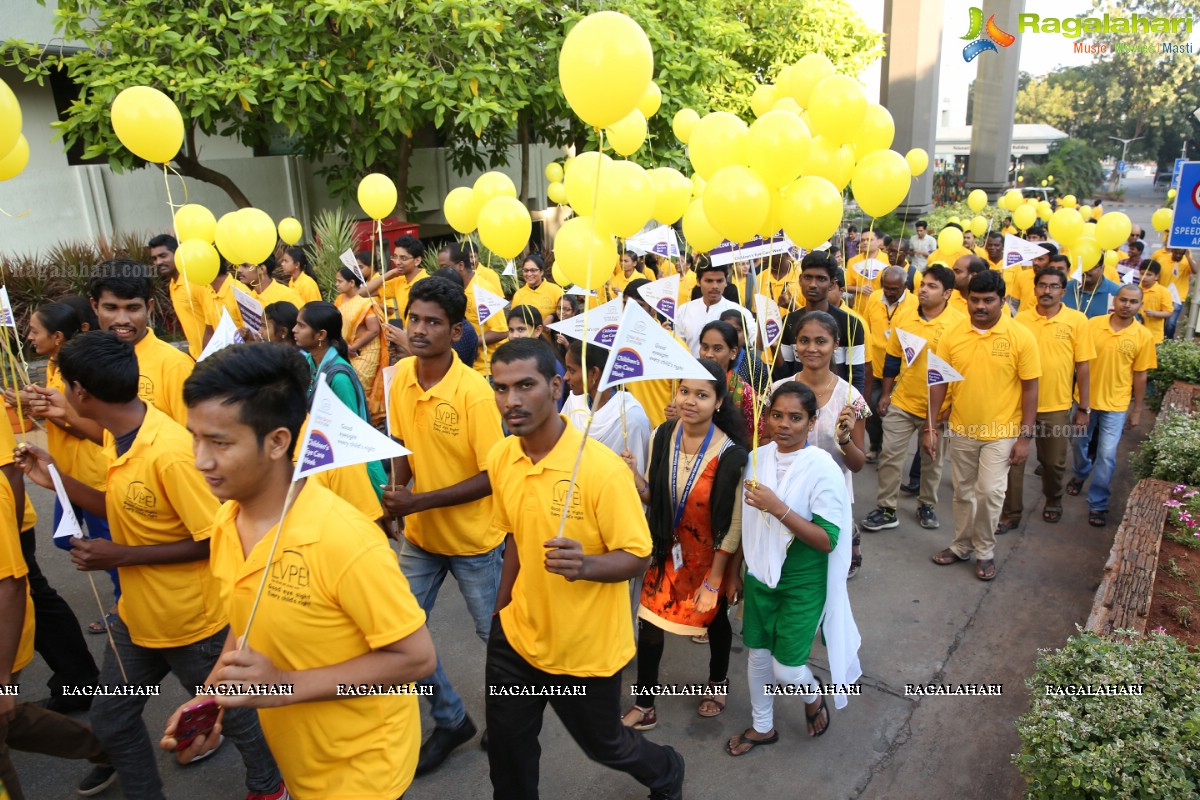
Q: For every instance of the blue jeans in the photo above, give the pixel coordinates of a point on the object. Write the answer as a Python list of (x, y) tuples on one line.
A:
[(97, 528), (478, 579), (1172, 321), (1110, 425)]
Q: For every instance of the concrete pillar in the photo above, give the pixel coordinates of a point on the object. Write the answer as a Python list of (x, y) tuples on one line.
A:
[(908, 85), (995, 104)]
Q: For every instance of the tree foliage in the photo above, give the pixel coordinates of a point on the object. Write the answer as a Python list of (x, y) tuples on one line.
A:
[(1075, 165)]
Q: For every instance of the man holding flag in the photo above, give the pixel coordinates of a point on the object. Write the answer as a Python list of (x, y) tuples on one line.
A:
[(880, 312), (993, 411), (492, 329)]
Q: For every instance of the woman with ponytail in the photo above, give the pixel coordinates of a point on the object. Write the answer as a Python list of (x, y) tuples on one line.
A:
[(301, 278)]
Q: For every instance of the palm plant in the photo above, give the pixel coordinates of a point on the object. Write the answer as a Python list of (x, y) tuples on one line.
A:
[(333, 234)]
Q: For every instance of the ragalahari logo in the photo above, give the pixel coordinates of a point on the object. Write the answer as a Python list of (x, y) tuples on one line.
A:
[(993, 36)]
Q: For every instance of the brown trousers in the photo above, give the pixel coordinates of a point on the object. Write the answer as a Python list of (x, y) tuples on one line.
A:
[(1052, 442), (33, 729)]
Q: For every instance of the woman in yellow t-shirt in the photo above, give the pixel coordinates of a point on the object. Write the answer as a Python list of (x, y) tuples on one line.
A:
[(537, 291), (301, 278), (360, 329)]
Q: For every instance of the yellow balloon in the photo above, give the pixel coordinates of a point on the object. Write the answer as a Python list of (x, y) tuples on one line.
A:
[(763, 98), (876, 131), (557, 193), (1044, 210), (778, 147), (1024, 217), (504, 226), (837, 107), (554, 172), (918, 161), (774, 221), (737, 203), (1085, 253), (625, 199), (227, 238), (697, 186), (1012, 199), (1161, 219), (1089, 231), (1111, 257), (672, 193), (559, 276), (811, 211), (290, 230), (461, 211), (955, 220), (15, 160), (977, 200), (493, 184), (1097, 213), (1113, 229), (198, 261), (627, 135), (950, 240), (805, 75), (1069, 201), (719, 140), (1020, 179), (979, 226), (683, 122), (377, 195), (1171, 194), (585, 254), (147, 123), (1085, 211), (881, 180), (831, 161), (10, 119), (651, 100), (257, 234), (581, 180), (1049, 177), (698, 231), (604, 67), (1044, 183), (194, 221), (1066, 225), (787, 104)]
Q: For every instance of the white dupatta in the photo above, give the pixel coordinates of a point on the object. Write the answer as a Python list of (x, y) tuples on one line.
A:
[(813, 484)]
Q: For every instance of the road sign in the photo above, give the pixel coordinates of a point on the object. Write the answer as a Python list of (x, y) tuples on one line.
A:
[(1185, 224), (1121, 167), (1179, 162)]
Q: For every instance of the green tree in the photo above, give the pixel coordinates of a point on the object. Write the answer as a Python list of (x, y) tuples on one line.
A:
[(1075, 165)]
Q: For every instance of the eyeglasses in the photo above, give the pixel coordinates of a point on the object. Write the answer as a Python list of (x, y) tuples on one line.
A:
[(530, 271)]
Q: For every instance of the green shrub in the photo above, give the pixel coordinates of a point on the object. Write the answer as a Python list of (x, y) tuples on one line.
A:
[(1172, 450), (1093, 747), (1178, 360)]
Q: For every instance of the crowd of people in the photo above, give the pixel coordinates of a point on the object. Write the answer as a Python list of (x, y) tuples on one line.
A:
[(581, 525)]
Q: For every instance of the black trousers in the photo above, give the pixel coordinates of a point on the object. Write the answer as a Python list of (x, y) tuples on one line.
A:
[(652, 643), (57, 636), (592, 717)]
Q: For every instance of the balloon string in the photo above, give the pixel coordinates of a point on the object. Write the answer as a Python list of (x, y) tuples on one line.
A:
[(181, 269)]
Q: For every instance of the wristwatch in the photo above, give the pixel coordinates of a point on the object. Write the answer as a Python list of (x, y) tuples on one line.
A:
[(1084, 410)]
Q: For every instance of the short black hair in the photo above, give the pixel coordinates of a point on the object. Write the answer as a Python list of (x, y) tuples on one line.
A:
[(942, 274), (995, 235), (597, 356), (449, 274), (1059, 258), (990, 280), (442, 292), (1139, 244), (123, 278), (527, 314), (819, 259), (839, 278), (977, 266), (708, 266), (411, 245), (103, 365), (954, 225), (1053, 272), (460, 254), (1049, 246), (1153, 267), (536, 350), (163, 240), (920, 224), (1037, 230), (268, 382), (83, 310)]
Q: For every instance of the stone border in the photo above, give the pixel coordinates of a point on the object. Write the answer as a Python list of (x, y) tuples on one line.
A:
[(1182, 396)]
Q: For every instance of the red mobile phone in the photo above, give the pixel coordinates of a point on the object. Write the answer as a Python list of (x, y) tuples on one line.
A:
[(196, 719)]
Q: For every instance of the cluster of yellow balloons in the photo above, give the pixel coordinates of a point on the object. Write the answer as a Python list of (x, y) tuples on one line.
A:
[(246, 236), (148, 123), (14, 148), (1086, 241), (492, 207)]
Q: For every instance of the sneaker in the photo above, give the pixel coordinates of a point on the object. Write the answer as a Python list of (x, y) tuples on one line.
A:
[(926, 517), (99, 779), (675, 790), (441, 742), (880, 519), (280, 793)]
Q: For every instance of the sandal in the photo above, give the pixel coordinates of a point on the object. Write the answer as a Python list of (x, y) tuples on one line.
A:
[(1052, 513), (715, 698), (700, 638), (1003, 527), (855, 558), (812, 719), (1074, 487), (985, 570), (738, 739), (947, 557), (647, 718), (1098, 518), (97, 627)]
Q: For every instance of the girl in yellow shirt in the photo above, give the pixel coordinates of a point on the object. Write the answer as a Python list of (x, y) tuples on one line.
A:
[(301, 278)]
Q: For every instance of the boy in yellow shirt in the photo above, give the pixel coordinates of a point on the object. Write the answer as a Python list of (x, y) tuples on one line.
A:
[(190, 300), (564, 629), (1157, 305), (494, 330)]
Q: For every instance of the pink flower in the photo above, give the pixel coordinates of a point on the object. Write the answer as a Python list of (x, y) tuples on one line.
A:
[(1173, 504)]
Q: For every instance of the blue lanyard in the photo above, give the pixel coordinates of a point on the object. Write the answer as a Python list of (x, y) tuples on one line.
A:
[(687, 487)]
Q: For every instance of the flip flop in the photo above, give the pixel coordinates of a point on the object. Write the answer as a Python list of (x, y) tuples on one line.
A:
[(1098, 519), (948, 557), (812, 718), (1074, 487), (1052, 514), (986, 570), (739, 739)]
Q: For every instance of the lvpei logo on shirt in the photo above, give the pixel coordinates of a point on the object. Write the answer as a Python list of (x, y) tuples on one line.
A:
[(140, 500), (445, 419), (558, 496), (992, 39), (1127, 348), (1001, 348)]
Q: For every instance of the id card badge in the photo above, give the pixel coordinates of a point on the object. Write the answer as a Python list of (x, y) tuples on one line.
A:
[(677, 556)]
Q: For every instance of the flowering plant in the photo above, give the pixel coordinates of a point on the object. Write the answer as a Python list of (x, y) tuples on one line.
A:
[(1183, 509)]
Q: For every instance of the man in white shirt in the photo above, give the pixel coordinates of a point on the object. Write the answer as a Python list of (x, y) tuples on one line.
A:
[(692, 316), (920, 246)]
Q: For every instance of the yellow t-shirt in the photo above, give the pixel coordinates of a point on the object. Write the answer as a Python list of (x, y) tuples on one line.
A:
[(544, 298), (1063, 341), (306, 287), (395, 292), (855, 278), (353, 485), (155, 495), (8, 443), (617, 283), (450, 429), (277, 293), (654, 396), (986, 405), (947, 257), (1021, 286), (162, 369), (773, 287), (335, 593), (1156, 298), (490, 280), (584, 628), (880, 324), (81, 458), (1176, 272), (225, 299), (12, 565), (996, 265), (191, 302), (1118, 356), (686, 284), (910, 392)]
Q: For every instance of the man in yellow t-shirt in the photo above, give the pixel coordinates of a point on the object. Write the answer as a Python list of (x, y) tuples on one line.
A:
[(993, 250), (871, 258), (880, 314), (171, 616), (494, 329), (1066, 350), (190, 300), (264, 288), (393, 286), (338, 638), (1124, 353), (1019, 280), (221, 297), (565, 624), (993, 410), (1157, 305), (781, 282), (948, 257), (443, 412), (1177, 269)]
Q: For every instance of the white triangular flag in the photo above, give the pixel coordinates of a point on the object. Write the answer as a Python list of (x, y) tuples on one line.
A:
[(350, 262), (1132, 277), (251, 310), (940, 371), (770, 321), (911, 345), (579, 291), (337, 437), (662, 295), (870, 268), (1019, 251), (1174, 292), (643, 351), (1077, 275), (660, 241), (487, 303), (389, 375), (225, 335), (601, 324), (68, 525), (7, 317), (510, 269)]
